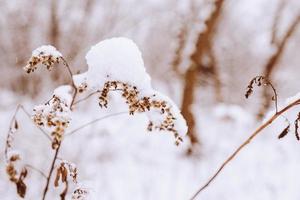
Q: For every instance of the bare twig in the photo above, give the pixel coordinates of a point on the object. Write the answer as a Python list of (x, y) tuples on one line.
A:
[(29, 116), (50, 172), (94, 121), (72, 81), (245, 143), (85, 98)]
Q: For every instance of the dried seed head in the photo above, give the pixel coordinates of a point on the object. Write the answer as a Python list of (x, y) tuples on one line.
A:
[(80, 193), (144, 104), (261, 81), (46, 55), (16, 176), (53, 115)]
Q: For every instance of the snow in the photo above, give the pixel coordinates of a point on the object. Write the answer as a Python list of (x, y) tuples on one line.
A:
[(292, 99), (80, 79), (119, 59), (116, 59), (64, 93), (46, 50), (157, 117)]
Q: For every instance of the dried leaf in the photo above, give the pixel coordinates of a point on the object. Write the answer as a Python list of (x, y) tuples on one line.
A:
[(284, 132), (21, 188), (16, 124)]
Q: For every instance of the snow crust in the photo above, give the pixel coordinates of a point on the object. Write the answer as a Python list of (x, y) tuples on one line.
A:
[(116, 59), (64, 93), (47, 50), (119, 59)]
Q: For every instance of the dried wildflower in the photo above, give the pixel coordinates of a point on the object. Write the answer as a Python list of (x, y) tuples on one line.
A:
[(14, 176), (297, 127), (47, 55), (259, 81), (66, 169), (80, 81), (137, 105), (53, 115), (80, 193)]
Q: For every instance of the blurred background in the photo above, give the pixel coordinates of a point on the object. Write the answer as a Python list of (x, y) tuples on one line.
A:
[(202, 54)]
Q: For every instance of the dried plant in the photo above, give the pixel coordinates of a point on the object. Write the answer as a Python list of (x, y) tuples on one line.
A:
[(53, 117), (258, 80), (46, 55), (297, 126), (261, 81), (144, 104)]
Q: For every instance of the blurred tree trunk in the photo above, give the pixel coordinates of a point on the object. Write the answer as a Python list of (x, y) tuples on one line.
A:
[(203, 48), (54, 33), (272, 63)]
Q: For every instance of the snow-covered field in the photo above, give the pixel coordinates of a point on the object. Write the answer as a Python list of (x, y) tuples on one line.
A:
[(118, 159)]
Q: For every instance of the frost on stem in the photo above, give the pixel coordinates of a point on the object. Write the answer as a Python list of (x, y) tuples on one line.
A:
[(55, 114), (47, 55)]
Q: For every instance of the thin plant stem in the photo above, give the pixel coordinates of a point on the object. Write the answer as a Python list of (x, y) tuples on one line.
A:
[(72, 81), (59, 145), (243, 145), (51, 171), (37, 170), (94, 121)]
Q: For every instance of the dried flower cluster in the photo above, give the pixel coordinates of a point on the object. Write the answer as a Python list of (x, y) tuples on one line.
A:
[(67, 169), (13, 174), (47, 55), (144, 104), (261, 81), (286, 130), (80, 193), (53, 115), (64, 170)]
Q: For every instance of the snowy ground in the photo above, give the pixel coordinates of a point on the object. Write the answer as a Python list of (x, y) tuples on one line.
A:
[(118, 159)]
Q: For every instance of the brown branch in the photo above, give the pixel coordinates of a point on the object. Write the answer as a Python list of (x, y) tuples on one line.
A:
[(244, 144), (280, 7), (273, 61), (191, 75)]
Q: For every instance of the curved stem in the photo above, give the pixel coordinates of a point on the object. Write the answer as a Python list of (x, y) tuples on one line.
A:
[(245, 143), (51, 171), (94, 121), (72, 81), (85, 98), (37, 170)]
